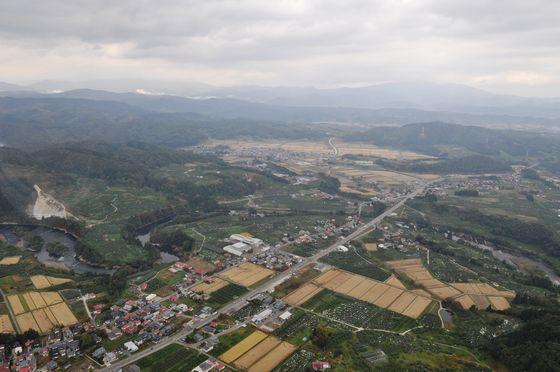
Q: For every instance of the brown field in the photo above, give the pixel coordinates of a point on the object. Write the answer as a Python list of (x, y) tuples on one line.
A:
[(242, 347), (385, 295), (498, 303), (374, 293), (323, 148), (43, 321), (51, 298), (6, 324), (465, 301), (208, 288), (63, 314), (27, 322), (402, 302), (361, 289), (350, 284), (246, 274), (12, 260), (37, 299), (16, 305), (29, 300), (50, 315), (43, 281), (273, 358), (372, 247), (417, 307), (394, 281), (256, 353), (388, 297), (302, 294)]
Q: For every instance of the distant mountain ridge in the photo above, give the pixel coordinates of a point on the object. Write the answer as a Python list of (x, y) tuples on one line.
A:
[(231, 108)]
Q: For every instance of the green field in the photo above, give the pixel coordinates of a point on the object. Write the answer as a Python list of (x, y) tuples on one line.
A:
[(226, 294), (171, 358)]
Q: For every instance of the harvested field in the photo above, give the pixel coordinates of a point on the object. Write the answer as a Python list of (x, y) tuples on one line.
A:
[(417, 307), (29, 300), (464, 301), (208, 288), (402, 302), (361, 289), (6, 324), (350, 284), (43, 281), (388, 297), (273, 358), (37, 299), (242, 347), (63, 314), (374, 293), (43, 321), (444, 292), (256, 353), (50, 315), (498, 303), (481, 302), (246, 274), (12, 260), (51, 298), (302, 294), (27, 322), (16, 305), (385, 295), (394, 281), (371, 247), (40, 281)]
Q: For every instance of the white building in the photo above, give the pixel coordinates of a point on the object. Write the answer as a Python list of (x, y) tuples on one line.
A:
[(247, 240), (261, 316), (238, 248), (131, 346), (342, 248)]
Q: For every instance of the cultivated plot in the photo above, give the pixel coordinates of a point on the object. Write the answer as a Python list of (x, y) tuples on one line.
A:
[(40, 311), (258, 352), (44, 281), (210, 287), (246, 274)]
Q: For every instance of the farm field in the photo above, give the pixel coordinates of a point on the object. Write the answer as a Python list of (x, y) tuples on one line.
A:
[(246, 274), (323, 148), (258, 352), (6, 324), (171, 358), (211, 287), (466, 295), (393, 298), (44, 281), (225, 294), (302, 294), (12, 260), (40, 311)]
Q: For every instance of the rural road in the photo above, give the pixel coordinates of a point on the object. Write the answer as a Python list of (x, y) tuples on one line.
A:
[(333, 146), (268, 286)]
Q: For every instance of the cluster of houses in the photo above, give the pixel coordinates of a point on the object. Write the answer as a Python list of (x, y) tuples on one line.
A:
[(145, 318), (275, 259), (61, 345)]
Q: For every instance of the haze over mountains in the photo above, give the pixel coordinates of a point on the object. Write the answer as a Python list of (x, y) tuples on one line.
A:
[(390, 103)]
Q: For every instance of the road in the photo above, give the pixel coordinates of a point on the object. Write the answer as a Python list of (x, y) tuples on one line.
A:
[(333, 146), (268, 286)]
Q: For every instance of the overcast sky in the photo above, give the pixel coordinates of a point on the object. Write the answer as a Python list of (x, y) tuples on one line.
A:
[(506, 46)]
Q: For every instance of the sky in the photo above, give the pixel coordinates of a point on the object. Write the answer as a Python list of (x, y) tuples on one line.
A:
[(504, 46)]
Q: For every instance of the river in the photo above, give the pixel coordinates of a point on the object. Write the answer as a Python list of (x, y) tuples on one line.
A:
[(66, 262), (521, 263)]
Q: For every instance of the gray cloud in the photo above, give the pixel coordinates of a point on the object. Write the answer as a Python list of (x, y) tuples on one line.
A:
[(508, 46)]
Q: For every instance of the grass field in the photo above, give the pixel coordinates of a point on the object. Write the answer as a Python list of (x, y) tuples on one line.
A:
[(225, 294), (171, 358)]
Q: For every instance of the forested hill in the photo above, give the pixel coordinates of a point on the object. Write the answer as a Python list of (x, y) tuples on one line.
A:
[(434, 137), (41, 121)]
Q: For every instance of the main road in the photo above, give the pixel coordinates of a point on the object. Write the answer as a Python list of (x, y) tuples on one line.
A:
[(268, 286)]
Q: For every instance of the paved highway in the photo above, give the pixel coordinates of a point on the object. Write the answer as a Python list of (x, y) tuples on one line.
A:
[(268, 286)]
